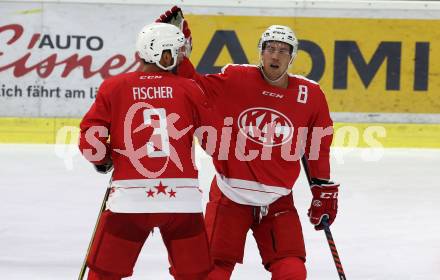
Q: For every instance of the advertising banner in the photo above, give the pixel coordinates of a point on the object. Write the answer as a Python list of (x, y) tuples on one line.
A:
[(364, 65), (54, 56)]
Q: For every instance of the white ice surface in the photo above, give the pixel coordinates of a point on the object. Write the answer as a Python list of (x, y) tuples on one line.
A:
[(388, 226)]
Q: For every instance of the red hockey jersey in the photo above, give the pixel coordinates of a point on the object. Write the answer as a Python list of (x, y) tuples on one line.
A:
[(260, 128), (151, 119)]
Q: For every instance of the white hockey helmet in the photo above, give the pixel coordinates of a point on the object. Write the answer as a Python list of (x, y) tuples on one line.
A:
[(156, 37), (280, 33)]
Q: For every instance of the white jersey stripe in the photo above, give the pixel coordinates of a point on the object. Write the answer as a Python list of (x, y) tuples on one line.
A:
[(303, 78), (172, 182), (167, 195), (249, 192)]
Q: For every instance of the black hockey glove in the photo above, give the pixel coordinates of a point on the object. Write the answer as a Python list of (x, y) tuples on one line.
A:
[(175, 17), (104, 168)]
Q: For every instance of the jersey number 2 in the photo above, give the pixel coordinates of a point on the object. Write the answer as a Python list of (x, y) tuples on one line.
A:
[(159, 144)]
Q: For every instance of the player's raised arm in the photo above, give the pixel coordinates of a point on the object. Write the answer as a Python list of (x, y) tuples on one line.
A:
[(212, 84)]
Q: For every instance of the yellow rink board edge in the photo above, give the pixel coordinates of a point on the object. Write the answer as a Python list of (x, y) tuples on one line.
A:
[(389, 135)]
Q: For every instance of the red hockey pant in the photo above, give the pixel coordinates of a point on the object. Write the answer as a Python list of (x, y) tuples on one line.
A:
[(120, 237), (278, 236)]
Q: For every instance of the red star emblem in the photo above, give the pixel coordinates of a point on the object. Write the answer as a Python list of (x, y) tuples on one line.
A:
[(161, 189), (150, 193), (172, 193)]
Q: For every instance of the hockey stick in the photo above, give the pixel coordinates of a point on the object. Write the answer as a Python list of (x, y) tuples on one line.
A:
[(324, 222), (104, 201)]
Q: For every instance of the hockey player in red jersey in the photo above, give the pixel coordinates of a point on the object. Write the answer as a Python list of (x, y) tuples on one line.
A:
[(151, 116), (269, 118)]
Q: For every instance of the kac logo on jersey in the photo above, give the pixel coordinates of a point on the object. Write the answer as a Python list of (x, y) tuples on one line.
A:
[(265, 126)]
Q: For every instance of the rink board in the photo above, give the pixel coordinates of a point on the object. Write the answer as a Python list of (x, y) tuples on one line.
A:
[(390, 135)]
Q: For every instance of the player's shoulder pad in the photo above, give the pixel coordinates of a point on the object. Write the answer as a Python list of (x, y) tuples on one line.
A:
[(311, 84), (190, 84), (118, 79), (314, 88), (195, 92), (304, 79), (230, 68), (114, 83)]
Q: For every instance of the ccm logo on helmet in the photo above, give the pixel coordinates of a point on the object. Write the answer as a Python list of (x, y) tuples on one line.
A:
[(265, 126)]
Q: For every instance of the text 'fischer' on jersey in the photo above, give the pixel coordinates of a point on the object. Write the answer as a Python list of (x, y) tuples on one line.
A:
[(142, 93)]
